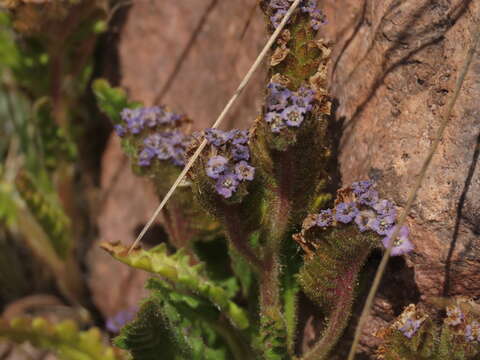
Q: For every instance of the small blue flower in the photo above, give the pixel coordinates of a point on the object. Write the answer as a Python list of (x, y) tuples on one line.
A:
[(401, 245), (170, 118), (275, 87), (346, 212), (318, 19), (382, 225), (216, 137), (279, 4), (309, 6), (369, 198), (273, 117), (293, 115), (455, 315), (226, 185), (361, 187), (239, 136), (145, 157), (410, 327), (472, 331), (278, 17), (216, 165), (278, 100), (135, 124), (120, 130), (150, 116), (120, 319), (364, 220), (386, 208), (128, 114), (240, 152), (244, 171), (164, 151), (325, 218), (178, 156)]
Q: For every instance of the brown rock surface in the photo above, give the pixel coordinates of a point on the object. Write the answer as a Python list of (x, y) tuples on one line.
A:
[(394, 69), (158, 51), (126, 204)]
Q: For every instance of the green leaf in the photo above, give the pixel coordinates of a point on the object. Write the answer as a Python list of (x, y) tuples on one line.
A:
[(147, 336), (111, 100), (177, 271), (63, 338)]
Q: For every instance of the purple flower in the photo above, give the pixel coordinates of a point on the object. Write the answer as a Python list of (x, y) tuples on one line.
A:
[(120, 130), (387, 209), (309, 6), (169, 118), (364, 220), (279, 4), (293, 115), (361, 187), (325, 218), (369, 198), (174, 137), (382, 225), (160, 144), (239, 136), (273, 117), (401, 245), (128, 114), (345, 212), (472, 331), (226, 185), (304, 98), (275, 87), (150, 115), (120, 319), (216, 166), (244, 171), (278, 100), (455, 315), (318, 19), (135, 124), (277, 18), (240, 152), (410, 327), (178, 156), (164, 151), (145, 157), (216, 137)]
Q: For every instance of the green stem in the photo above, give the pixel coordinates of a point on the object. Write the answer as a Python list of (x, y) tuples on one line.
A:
[(239, 348), (341, 310)]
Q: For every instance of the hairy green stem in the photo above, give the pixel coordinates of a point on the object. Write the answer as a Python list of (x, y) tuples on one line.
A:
[(239, 238), (341, 310), (238, 346)]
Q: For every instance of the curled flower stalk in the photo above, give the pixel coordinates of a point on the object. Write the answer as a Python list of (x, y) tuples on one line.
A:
[(337, 243)]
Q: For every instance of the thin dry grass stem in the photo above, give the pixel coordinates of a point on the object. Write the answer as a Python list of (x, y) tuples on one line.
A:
[(219, 120), (413, 194)]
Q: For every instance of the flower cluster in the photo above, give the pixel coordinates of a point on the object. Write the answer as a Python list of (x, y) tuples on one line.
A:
[(472, 331), (162, 141), (136, 120), (409, 321), (231, 168), (463, 323), (280, 8), (368, 212), (170, 145), (286, 108)]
